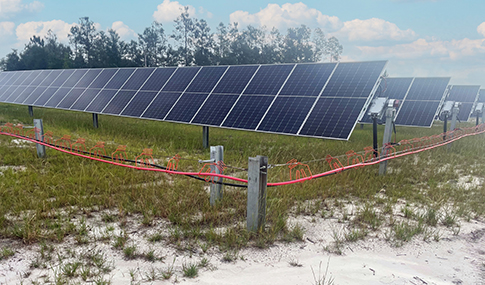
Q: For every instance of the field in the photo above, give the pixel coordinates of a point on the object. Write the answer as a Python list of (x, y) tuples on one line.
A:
[(66, 210)]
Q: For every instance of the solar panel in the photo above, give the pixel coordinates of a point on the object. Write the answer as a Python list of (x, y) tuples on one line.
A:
[(481, 96), (392, 88), (314, 99), (421, 103), (467, 95)]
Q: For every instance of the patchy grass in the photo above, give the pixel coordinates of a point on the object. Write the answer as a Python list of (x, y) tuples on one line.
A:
[(71, 189)]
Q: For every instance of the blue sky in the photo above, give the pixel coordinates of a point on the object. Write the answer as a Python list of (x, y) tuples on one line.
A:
[(418, 37)]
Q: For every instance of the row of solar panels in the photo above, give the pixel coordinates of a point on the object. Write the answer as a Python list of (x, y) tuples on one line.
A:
[(316, 100), (422, 98)]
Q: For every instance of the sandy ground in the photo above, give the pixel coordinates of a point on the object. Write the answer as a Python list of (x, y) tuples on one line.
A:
[(454, 259)]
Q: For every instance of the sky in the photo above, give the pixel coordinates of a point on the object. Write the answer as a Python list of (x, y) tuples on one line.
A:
[(426, 38)]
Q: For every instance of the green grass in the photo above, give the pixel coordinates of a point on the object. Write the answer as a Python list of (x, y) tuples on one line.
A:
[(39, 203)]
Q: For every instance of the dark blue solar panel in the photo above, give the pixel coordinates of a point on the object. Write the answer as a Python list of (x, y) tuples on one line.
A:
[(49, 79), (42, 76), (32, 76), (308, 79), (26, 93), (139, 103), (57, 97), (354, 80), (333, 117), (394, 88), (7, 92), (464, 93), (89, 77), (206, 79), (138, 78), (417, 113), (3, 90), (269, 79), (158, 79), (14, 94), (481, 96), (428, 88), (74, 95), (66, 73), (248, 111), (103, 97), (3, 77), (34, 95), (101, 79), (159, 108), (465, 111), (74, 78), (185, 108), (235, 79), (10, 77), (42, 99), (20, 78), (82, 101), (119, 102), (120, 78), (215, 109), (286, 115), (180, 79)]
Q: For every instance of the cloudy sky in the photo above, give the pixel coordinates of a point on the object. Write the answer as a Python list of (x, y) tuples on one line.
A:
[(418, 37)]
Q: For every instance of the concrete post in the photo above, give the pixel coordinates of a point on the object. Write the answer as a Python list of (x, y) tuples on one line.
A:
[(390, 112), (257, 182), (216, 155), (40, 137)]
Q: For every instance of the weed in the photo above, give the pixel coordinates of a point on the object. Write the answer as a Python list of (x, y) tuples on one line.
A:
[(69, 269), (355, 234), (229, 256), (130, 252), (190, 270), (152, 274), (204, 262), (120, 240), (6, 252), (295, 263), (321, 278), (155, 237)]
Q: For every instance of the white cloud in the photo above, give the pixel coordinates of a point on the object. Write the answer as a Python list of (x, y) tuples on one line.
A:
[(123, 30), (481, 29), (6, 28), (25, 31), (285, 16), (10, 8), (170, 10), (421, 48), (372, 30)]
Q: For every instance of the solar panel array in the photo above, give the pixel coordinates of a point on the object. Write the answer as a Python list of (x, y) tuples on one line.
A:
[(420, 98), (316, 100), (467, 95)]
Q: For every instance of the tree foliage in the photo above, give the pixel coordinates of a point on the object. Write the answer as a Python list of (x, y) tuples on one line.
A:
[(192, 42)]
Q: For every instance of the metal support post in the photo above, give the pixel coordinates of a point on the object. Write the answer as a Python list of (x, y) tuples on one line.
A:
[(454, 118), (205, 137), (95, 120), (390, 112), (374, 136), (217, 154), (39, 135), (31, 111), (445, 126), (257, 182), (478, 119)]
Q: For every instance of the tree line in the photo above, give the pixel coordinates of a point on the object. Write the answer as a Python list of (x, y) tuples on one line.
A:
[(192, 42)]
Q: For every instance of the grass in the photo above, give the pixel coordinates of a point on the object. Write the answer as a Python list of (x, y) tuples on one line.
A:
[(70, 186)]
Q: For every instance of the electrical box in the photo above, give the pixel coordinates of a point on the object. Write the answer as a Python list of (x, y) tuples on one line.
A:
[(378, 107)]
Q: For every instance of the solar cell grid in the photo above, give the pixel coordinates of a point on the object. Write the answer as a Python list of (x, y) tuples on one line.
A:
[(215, 109), (88, 78), (417, 113), (428, 88), (102, 98), (160, 106), (286, 114), (116, 82), (27, 91), (74, 78), (71, 101), (181, 79), (19, 78), (247, 112), (308, 79), (158, 79), (235, 79), (139, 103), (465, 111), (63, 76), (14, 94), (138, 78), (101, 79), (186, 107), (49, 79), (119, 102), (269, 79), (31, 77), (464, 93), (42, 76), (57, 97), (206, 79), (44, 97)]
